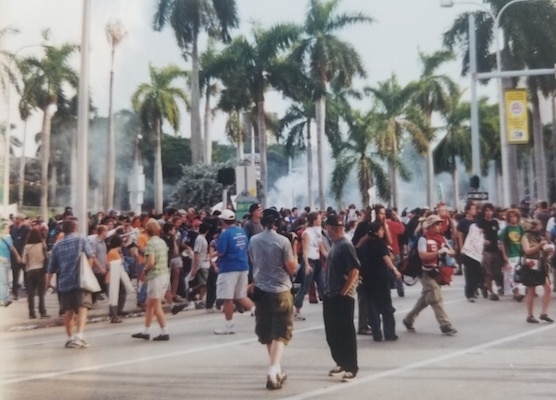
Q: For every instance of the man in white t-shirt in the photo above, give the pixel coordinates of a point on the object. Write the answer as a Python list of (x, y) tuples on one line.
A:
[(201, 263)]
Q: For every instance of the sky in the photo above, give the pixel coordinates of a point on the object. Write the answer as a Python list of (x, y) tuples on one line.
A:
[(390, 45)]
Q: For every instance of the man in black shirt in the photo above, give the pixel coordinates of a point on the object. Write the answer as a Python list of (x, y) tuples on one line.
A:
[(492, 257), (19, 232)]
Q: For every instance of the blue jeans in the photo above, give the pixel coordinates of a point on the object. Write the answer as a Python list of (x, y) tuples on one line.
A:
[(316, 275)]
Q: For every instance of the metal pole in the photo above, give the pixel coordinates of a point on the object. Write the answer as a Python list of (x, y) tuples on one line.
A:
[(475, 146), (83, 123)]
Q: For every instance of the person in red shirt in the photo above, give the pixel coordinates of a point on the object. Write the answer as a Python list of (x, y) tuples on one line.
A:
[(396, 229)]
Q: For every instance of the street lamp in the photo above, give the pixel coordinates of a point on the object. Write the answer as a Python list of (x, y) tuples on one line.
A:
[(501, 107)]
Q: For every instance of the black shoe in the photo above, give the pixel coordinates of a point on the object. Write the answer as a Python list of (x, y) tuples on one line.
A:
[(272, 383), (45, 316), (365, 331), (32, 316), (178, 307), (8, 303), (546, 318), (484, 292), (391, 338), (532, 320), (162, 338), (408, 326), (141, 335), (448, 330)]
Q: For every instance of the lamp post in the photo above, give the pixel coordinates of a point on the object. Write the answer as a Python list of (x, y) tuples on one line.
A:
[(501, 103)]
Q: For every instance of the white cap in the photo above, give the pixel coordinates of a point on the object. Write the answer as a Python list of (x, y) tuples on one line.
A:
[(228, 215)]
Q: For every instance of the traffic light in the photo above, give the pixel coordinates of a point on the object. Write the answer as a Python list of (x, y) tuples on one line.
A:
[(474, 182)]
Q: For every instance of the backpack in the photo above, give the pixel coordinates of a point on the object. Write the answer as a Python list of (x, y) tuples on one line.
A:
[(411, 265)]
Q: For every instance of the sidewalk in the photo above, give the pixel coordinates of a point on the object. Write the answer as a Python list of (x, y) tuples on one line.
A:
[(16, 317)]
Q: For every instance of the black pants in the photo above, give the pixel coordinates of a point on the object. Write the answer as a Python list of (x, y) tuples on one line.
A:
[(35, 286), (211, 288), (473, 275), (340, 331), (380, 305), (18, 268), (101, 278)]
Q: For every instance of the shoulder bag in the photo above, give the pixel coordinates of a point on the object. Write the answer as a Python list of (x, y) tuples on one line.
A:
[(87, 279)]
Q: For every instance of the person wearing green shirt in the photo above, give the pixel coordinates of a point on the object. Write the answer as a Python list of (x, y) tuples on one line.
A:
[(510, 237)]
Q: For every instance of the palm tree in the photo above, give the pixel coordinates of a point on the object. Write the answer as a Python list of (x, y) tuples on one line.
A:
[(432, 93), (156, 102), (391, 101), (188, 19), (115, 33), (48, 77), (251, 67), (8, 73), (529, 32), (328, 58), (361, 152)]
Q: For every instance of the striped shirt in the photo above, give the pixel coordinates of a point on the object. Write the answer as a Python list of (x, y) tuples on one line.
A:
[(64, 261), (158, 248)]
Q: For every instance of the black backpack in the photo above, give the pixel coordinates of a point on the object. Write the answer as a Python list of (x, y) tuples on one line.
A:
[(411, 266)]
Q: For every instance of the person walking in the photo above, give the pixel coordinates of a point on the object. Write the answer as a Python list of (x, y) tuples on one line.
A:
[(6, 249), (34, 256), (273, 265), (341, 275), (64, 262), (19, 231), (233, 266), (157, 281), (432, 246)]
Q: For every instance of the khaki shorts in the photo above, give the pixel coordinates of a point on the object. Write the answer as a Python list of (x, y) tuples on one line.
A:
[(274, 317), (231, 285), (157, 287), (176, 262), (202, 276), (73, 300)]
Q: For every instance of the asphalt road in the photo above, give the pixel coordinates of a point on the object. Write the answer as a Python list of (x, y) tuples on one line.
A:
[(495, 355)]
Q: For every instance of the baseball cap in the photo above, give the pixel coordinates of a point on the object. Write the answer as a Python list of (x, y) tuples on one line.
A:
[(334, 220), (254, 206), (228, 215), (431, 220)]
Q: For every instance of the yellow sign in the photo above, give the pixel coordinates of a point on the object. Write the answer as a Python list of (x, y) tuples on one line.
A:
[(517, 121)]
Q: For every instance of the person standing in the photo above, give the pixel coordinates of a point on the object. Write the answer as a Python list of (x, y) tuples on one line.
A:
[(492, 257), (34, 256), (157, 281), (6, 249), (510, 238), (64, 262), (341, 275), (19, 232), (432, 246), (273, 265), (233, 266), (471, 268)]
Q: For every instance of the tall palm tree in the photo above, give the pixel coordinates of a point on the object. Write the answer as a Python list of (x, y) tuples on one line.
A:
[(48, 79), (432, 93), (189, 18), (252, 66), (115, 33), (155, 102), (392, 101), (328, 58), (8, 72), (529, 42), (361, 152)]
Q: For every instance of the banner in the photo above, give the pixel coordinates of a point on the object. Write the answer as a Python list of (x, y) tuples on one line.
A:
[(517, 121), (474, 243)]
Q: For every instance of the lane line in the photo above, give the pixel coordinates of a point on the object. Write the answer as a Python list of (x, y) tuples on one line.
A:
[(416, 365)]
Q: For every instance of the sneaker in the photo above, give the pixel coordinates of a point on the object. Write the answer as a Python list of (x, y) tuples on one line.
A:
[(162, 338), (484, 292), (448, 330), (254, 311), (408, 326), (365, 331), (546, 318), (45, 316), (82, 343), (299, 317), (141, 335), (471, 299), (494, 297), (348, 377), (532, 320), (7, 303), (72, 344), (518, 297), (177, 308), (337, 370), (200, 305), (281, 377), (227, 330), (272, 383)]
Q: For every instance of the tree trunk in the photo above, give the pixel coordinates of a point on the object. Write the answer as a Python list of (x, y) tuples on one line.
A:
[(261, 126), (45, 159), (430, 177), (158, 188), (531, 181), (320, 113), (540, 159), (196, 134), (554, 143), (455, 180), (309, 166), (22, 161), (206, 127), (111, 162)]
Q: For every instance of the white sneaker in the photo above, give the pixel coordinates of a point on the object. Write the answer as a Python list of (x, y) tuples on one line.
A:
[(299, 317), (227, 330)]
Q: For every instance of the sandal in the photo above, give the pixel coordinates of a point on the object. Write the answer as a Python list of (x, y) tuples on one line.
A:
[(532, 320), (546, 318)]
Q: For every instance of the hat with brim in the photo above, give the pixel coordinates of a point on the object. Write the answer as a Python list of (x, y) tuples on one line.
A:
[(431, 220)]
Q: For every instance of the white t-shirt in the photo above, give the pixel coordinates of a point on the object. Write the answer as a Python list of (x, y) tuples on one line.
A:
[(315, 237), (201, 247)]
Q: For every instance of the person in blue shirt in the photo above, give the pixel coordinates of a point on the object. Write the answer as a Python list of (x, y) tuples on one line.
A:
[(233, 270), (6, 250)]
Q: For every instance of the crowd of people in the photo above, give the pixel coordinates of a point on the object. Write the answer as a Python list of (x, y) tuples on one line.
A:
[(268, 262)]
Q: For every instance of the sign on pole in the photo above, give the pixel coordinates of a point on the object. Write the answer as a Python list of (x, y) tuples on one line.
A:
[(481, 196), (517, 121)]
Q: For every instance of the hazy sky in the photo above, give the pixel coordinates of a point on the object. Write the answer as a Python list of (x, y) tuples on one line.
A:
[(390, 44)]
